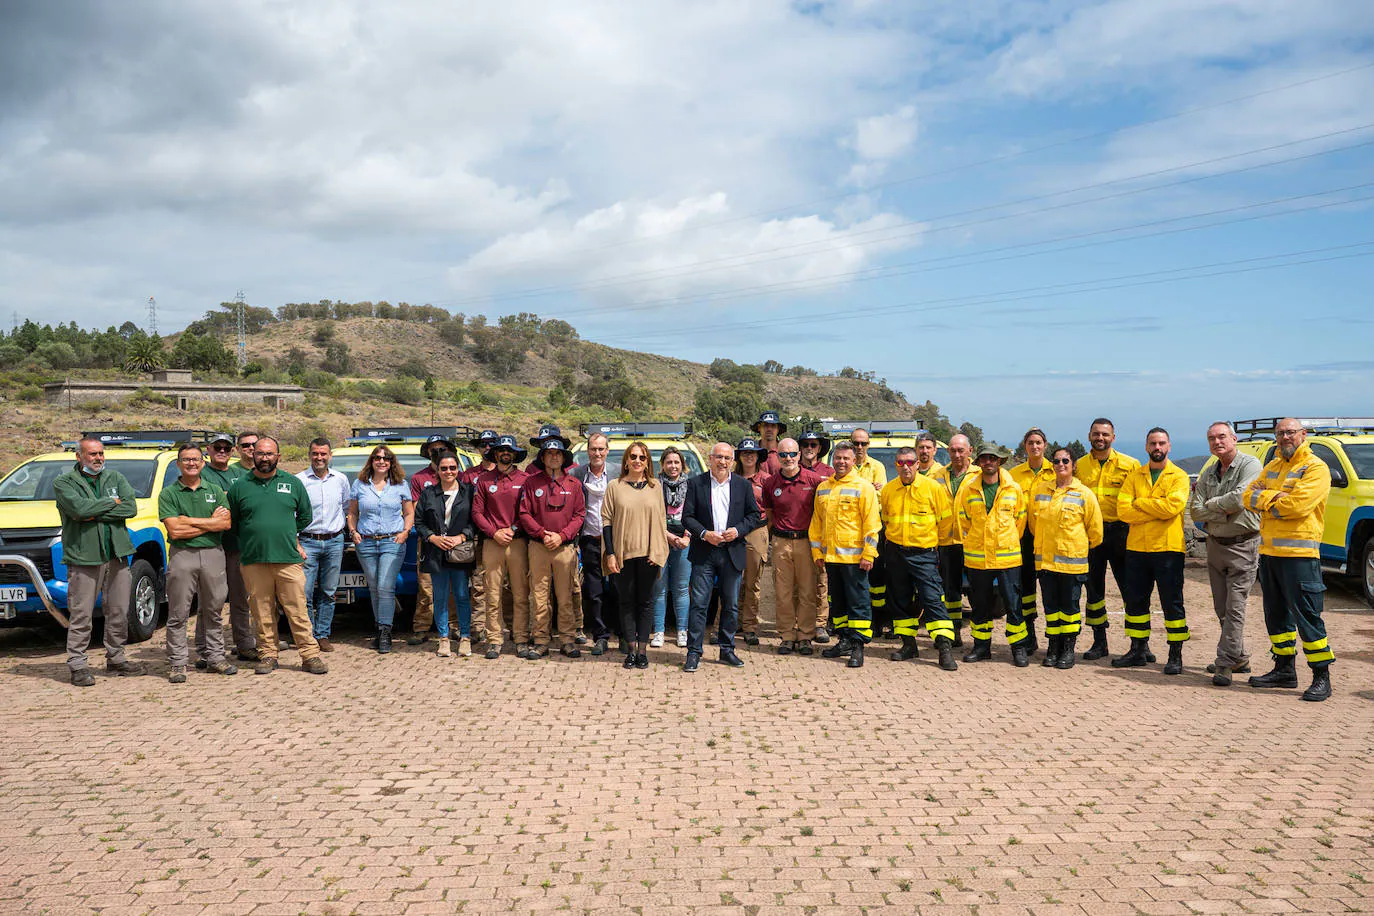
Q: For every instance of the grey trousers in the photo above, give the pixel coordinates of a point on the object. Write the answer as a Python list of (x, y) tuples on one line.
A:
[(195, 572), (241, 618), (1232, 569), (110, 580)]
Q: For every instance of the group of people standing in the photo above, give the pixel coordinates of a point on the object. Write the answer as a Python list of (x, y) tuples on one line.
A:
[(607, 547)]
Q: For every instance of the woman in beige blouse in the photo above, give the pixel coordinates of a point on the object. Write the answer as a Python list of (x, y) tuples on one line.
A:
[(635, 538)]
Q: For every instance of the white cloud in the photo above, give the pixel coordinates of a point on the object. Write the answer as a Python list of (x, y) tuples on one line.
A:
[(878, 140)]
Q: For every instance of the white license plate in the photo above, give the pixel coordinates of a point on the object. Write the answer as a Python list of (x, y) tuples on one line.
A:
[(15, 593), (8, 612), (352, 580)]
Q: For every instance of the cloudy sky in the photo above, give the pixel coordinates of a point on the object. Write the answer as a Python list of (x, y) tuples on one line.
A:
[(1027, 212)]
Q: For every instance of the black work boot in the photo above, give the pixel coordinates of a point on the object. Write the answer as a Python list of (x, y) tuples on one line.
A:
[(383, 640), (856, 656), (1018, 655), (1030, 642), (841, 647), (1099, 647), (945, 646), (1051, 652), (959, 633), (1066, 651), (1283, 675), (1175, 663), (1321, 685), (981, 651), (1138, 655), (907, 651)]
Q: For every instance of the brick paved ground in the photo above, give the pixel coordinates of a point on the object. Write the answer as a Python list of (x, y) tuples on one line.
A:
[(414, 784)]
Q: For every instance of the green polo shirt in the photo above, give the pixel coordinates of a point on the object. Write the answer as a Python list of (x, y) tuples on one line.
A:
[(178, 499), (224, 480), (268, 515)]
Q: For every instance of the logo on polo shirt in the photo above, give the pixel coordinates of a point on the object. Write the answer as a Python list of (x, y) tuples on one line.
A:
[(538, 492), (778, 491), (209, 497), (491, 489), (283, 487)]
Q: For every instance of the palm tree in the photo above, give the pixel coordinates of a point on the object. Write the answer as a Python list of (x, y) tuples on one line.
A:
[(145, 354)]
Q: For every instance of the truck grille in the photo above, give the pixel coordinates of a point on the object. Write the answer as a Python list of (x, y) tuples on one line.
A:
[(13, 575)]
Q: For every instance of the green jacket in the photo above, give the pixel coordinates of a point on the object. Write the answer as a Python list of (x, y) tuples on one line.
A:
[(93, 530)]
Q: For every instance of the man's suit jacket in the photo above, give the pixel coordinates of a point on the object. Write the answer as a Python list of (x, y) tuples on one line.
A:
[(744, 517)]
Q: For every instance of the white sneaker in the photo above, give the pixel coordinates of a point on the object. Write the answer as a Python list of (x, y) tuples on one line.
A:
[(682, 639), (656, 641)]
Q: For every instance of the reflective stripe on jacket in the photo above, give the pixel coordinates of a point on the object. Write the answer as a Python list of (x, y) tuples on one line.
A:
[(1027, 479), (1290, 497), (845, 523), (915, 515), (1154, 510), (1067, 523), (945, 478), (992, 537), (1105, 479)]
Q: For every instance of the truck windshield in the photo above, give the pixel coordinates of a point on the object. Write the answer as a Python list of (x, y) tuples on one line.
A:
[(33, 481), (1362, 459)]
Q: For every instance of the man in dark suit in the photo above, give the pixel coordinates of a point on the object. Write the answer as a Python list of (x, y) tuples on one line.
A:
[(719, 513)]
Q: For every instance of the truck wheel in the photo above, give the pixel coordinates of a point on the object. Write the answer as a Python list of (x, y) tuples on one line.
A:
[(143, 601), (1366, 573)]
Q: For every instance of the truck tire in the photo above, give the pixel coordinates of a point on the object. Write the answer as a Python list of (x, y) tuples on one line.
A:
[(1364, 576), (143, 601)]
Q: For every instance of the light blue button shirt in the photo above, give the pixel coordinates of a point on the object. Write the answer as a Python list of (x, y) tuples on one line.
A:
[(379, 512), (329, 497)]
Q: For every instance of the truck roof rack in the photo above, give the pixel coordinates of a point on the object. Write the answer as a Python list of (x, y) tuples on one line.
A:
[(367, 435), (144, 438), (1263, 427), (631, 430), (874, 427)]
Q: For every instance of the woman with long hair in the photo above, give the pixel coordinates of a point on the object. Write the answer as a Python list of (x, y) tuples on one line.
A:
[(750, 459), (635, 545), (380, 515), (674, 578), (444, 522)]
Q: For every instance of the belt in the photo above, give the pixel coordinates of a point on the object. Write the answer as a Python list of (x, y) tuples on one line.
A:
[(790, 535), (379, 537), (311, 536), (1233, 541), (911, 550)]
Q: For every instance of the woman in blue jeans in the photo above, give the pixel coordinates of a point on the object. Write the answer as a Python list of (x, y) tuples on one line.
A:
[(380, 515), (443, 519), (677, 572)]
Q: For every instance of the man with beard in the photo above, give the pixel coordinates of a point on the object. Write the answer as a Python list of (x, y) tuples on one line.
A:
[(270, 508), (916, 514), (925, 453), (789, 498), (992, 517), (551, 515), (94, 504), (1152, 501), (1290, 497), (768, 427), (505, 548), (1103, 470), (223, 471)]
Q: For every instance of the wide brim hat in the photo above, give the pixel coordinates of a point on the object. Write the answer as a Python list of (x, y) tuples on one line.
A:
[(997, 451), (436, 440), (812, 435), (770, 416), (485, 439), (748, 444), (546, 432), (510, 443), (555, 444)]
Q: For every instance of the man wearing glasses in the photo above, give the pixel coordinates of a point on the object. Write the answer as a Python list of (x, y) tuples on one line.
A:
[(719, 512), (195, 514), (844, 543), (1290, 497), (790, 498), (917, 513), (505, 547), (222, 473)]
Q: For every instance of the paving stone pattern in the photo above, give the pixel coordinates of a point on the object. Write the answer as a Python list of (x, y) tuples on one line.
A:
[(413, 784)]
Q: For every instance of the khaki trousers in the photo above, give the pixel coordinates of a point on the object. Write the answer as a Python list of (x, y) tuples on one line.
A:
[(112, 581), (822, 597), (502, 566), (795, 598), (240, 616), (195, 572), (284, 583), (751, 588), (1231, 570), (553, 571)]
